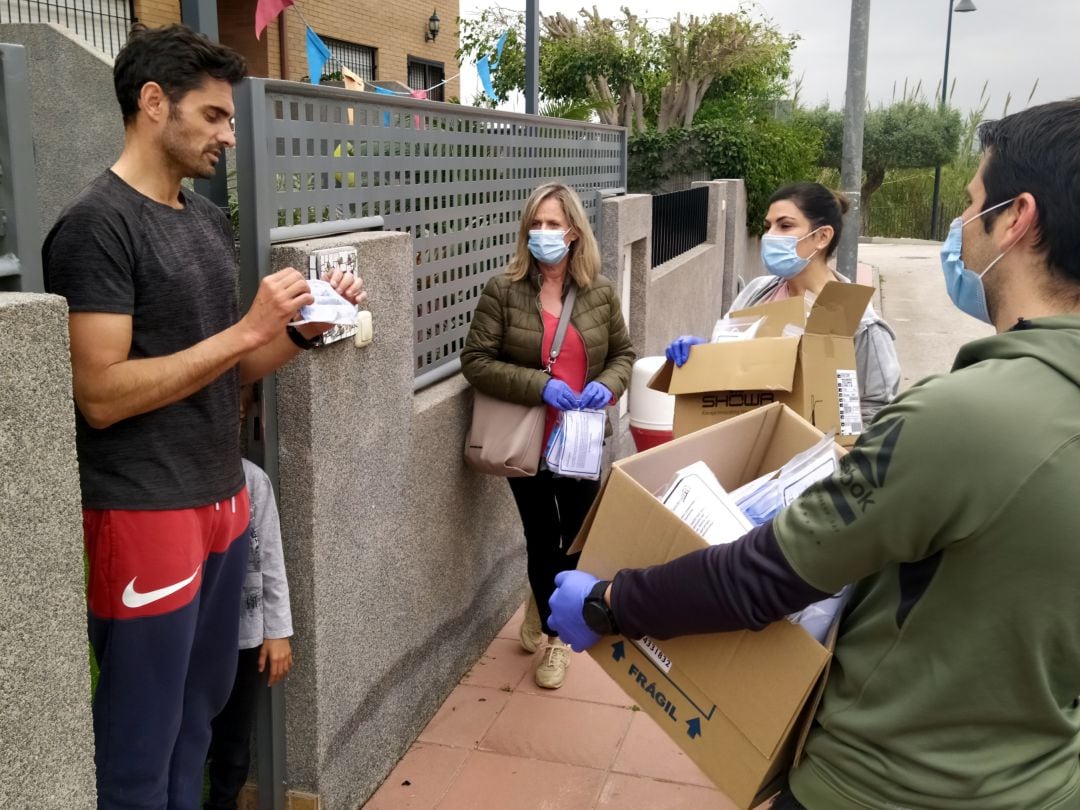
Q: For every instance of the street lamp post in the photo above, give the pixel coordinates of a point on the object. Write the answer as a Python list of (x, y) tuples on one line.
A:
[(959, 7)]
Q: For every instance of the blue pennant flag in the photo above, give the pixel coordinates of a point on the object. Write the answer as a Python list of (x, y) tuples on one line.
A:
[(383, 90), (484, 72), (499, 49), (317, 56)]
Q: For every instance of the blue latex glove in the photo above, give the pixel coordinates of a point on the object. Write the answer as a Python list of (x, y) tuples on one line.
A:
[(678, 351), (596, 395), (559, 395), (571, 588)]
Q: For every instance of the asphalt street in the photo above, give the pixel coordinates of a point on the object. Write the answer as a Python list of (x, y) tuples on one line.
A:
[(929, 329)]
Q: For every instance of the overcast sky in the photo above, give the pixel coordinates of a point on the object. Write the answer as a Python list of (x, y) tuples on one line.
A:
[(1009, 44)]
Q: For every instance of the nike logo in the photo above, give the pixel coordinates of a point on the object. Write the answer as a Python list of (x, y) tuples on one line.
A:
[(133, 599)]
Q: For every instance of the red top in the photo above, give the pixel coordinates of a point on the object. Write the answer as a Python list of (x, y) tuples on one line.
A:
[(571, 367)]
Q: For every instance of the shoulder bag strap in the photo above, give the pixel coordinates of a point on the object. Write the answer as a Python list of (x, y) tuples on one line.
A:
[(564, 322)]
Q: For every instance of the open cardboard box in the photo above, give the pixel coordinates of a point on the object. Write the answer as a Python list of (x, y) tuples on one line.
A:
[(739, 704), (814, 374)]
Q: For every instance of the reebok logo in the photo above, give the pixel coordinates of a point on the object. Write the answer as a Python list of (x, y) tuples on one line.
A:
[(861, 474), (133, 599)]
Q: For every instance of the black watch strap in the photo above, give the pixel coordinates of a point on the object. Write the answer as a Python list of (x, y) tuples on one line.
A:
[(598, 616), (296, 337)]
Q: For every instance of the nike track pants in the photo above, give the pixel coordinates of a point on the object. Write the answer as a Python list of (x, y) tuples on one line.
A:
[(163, 601)]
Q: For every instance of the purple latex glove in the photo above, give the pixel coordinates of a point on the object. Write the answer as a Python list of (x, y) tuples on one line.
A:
[(571, 588), (678, 351), (596, 395), (560, 396)]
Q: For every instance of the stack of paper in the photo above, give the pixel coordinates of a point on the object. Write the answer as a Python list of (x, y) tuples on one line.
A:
[(576, 446), (764, 497)]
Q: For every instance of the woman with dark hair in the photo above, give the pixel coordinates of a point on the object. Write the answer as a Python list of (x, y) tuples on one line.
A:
[(505, 355), (802, 230)]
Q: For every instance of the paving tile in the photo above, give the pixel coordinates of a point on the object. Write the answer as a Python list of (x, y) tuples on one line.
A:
[(490, 780), (585, 680), (648, 751), (558, 730), (502, 666), (622, 792), (465, 716), (510, 629), (421, 778)]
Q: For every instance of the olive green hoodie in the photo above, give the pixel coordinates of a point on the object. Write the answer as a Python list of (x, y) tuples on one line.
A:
[(956, 676)]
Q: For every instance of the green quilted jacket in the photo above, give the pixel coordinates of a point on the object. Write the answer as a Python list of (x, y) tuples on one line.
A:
[(502, 354)]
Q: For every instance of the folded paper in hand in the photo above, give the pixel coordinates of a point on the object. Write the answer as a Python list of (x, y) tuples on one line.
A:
[(329, 306)]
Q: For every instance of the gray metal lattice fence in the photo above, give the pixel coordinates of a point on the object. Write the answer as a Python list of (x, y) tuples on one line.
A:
[(320, 160)]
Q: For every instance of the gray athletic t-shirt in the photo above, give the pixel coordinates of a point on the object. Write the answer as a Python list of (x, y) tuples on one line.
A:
[(174, 271)]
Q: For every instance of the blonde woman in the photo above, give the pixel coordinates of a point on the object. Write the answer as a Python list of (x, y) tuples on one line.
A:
[(504, 356)]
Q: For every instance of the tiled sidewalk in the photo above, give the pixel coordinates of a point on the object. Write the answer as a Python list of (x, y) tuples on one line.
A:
[(499, 741)]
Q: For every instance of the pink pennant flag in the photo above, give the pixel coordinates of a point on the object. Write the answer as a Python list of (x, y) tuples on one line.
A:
[(266, 12)]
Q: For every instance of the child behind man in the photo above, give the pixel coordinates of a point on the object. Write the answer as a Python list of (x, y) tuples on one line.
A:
[(265, 627)]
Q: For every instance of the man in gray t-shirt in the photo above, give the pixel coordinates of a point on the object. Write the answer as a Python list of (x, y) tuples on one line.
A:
[(158, 351)]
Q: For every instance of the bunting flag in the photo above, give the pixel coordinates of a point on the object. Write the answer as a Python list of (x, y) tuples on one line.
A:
[(317, 56), (485, 64), (266, 12), (499, 49), (383, 90), (483, 70), (352, 81)]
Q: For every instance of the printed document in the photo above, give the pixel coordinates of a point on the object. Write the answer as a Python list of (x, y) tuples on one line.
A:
[(696, 498), (576, 446)]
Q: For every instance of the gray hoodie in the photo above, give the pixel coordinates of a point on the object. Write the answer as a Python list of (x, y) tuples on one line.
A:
[(264, 603)]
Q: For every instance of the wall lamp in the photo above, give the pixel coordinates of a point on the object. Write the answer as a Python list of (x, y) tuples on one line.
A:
[(432, 26)]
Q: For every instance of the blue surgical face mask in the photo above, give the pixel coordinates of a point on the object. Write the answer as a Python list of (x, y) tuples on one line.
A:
[(548, 247), (780, 258), (965, 287)]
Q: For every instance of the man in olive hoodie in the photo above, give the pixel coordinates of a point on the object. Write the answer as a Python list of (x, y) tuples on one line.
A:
[(957, 671)]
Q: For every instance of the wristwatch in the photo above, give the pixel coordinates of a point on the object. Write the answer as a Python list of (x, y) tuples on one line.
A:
[(298, 338), (598, 616)]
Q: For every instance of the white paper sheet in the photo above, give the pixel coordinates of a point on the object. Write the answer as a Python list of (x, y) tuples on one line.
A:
[(329, 307), (696, 498)]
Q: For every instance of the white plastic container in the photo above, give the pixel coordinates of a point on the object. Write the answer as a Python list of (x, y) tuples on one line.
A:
[(652, 413)]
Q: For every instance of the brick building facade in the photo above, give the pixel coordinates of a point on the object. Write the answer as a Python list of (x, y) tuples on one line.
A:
[(379, 41)]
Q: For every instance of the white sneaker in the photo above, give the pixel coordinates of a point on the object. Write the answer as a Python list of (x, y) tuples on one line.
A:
[(530, 633), (551, 672)]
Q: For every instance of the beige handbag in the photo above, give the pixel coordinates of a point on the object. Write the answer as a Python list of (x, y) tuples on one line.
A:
[(505, 438)]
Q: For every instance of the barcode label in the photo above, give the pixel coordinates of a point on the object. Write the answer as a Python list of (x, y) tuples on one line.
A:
[(648, 646), (847, 393)]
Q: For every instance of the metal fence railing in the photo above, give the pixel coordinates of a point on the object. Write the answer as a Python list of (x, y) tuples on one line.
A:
[(103, 24), (909, 221), (20, 245), (324, 159), (680, 221)]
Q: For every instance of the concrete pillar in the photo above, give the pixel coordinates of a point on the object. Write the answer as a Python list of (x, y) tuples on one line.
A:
[(402, 563), (45, 728), (736, 256)]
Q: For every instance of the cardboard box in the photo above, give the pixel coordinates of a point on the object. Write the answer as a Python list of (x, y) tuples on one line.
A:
[(813, 374), (737, 703)]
